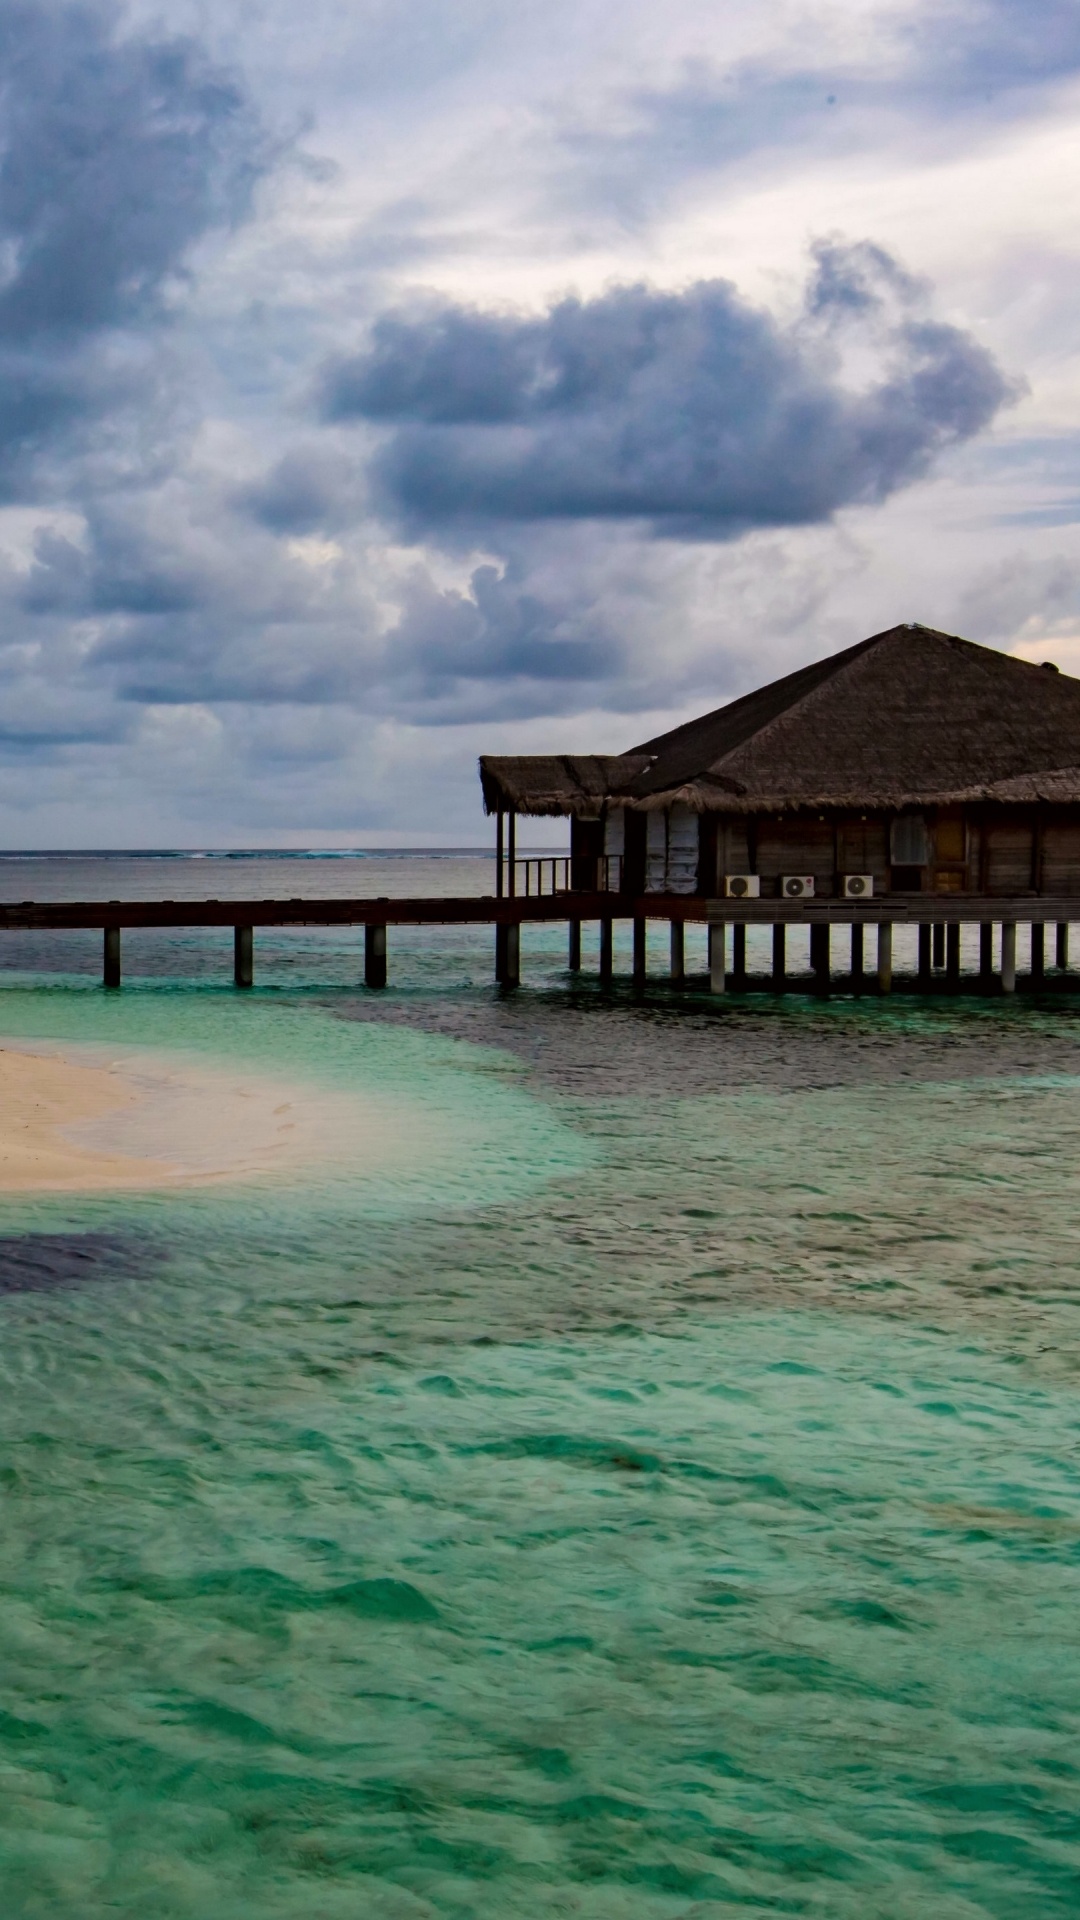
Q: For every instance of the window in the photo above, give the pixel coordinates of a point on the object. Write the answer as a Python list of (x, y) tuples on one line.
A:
[(908, 841)]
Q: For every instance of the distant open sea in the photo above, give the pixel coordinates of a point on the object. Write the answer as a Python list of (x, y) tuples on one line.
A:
[(654, 1493)]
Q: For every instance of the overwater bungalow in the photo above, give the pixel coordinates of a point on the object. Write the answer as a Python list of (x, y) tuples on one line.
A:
[(912, 762)]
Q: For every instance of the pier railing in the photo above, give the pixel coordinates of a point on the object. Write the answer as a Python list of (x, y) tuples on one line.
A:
[(533, 876)]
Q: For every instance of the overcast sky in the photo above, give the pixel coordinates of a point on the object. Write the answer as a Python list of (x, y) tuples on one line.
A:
[(388, 382)]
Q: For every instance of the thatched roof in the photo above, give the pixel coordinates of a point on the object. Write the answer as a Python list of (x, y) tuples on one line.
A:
[(557, 783), (910, 717)]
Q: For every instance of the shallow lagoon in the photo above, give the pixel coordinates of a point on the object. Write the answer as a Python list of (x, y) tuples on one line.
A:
[(656, 1494)]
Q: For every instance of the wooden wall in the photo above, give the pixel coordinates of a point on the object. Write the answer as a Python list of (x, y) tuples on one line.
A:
[(1060, 856), (969, 850), (979, 849)]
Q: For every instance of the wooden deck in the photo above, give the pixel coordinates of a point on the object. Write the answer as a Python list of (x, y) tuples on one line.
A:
[(937, 916), (900, 909)]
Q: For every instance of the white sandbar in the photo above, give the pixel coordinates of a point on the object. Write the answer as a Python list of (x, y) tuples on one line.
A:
[(78, 1120)]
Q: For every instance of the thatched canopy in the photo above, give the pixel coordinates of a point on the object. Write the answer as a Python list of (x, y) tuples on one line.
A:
[(538, 783), (910, 717)]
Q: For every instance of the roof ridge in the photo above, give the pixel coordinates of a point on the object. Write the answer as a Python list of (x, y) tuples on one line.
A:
[(847, 662), (822, 668), (814, 677)]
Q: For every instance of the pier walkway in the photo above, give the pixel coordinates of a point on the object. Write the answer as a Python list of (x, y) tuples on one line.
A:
[(938, 918)]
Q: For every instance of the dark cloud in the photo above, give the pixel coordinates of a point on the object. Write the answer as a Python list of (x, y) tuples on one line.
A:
[(117, 154), (501, 649), (693, 411), (308, 490)]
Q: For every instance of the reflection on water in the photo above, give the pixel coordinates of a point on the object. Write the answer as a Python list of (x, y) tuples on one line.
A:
[(656, 1497)]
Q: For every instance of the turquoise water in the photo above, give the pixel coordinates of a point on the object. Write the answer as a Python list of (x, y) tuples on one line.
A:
[(631, 1504)]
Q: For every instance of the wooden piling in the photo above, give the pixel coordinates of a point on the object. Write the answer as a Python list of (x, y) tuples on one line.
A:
[(111, 969), (779, 957), (952, 956), (986, 956), (500, 953), (857, 956), (884, 956), (512, 962), (939, 946), (678, 953), (1008, 956), (819, 955), (925, 937), (607, 943), (1038, 953), (717, 957), (1062, 949), (244, 956), (640, 949), (574, 956), (738, 958), (375, 955)]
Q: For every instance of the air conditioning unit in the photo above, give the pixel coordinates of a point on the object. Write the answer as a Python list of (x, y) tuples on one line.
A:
[(858, 886), (742, 886), (797, 886)]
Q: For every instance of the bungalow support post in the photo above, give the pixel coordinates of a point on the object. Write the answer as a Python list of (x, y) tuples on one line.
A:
[(819, 955), (574, 956), (857, 956), (640, 948), (1008, 956), (1062, 952), (738, 957), (607, 943), (779, 957), (678, 953), (925, 937), (508, 954), (986, 955), (717, 957), (884, 956), (1038, 953)]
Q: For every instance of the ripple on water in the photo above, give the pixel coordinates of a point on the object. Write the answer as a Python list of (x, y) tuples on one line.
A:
[(684, 1528)]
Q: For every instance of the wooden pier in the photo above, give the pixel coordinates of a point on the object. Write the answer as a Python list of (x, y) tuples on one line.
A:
[(869, 926)]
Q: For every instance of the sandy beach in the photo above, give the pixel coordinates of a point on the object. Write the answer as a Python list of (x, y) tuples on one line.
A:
[(43, 1095), (77, 1120)]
